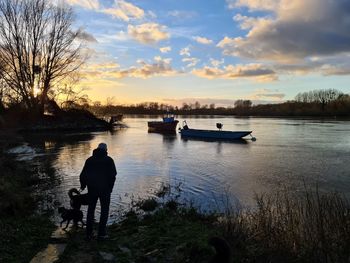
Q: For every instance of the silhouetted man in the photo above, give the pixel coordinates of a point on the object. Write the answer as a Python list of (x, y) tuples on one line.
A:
[(98, 175)]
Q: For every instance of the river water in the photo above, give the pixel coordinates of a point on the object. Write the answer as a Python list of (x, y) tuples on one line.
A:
[(288, 153)]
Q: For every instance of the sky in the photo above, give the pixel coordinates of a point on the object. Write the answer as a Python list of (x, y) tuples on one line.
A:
[(212, 51)]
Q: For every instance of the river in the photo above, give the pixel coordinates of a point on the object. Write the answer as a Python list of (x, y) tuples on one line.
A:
[(288, 153)]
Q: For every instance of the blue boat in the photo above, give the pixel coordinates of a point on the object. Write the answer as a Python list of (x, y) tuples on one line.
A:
[(186, 132)]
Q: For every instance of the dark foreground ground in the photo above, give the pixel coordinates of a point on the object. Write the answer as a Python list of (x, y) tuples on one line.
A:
[(23, 232), (165, 236)]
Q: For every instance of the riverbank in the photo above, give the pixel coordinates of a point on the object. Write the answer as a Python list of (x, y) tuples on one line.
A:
[(60, 120), (23, 232), (282, 228)]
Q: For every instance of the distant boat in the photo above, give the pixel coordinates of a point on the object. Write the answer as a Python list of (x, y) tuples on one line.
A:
[(116, 118), (213, 134), (167, 125)]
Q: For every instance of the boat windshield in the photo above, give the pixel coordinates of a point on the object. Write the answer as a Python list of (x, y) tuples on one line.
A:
[(168, 119)]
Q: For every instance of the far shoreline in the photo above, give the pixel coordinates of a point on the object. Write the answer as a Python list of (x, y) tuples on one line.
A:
[(209, 116)]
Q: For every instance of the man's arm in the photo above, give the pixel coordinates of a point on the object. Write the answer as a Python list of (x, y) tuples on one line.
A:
[(83, 176), (112, 174)]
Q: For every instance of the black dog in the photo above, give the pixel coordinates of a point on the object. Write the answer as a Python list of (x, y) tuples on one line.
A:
[(77, 199), (71, 214)]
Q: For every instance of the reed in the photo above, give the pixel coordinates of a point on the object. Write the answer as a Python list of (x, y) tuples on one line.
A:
[(311, 227)]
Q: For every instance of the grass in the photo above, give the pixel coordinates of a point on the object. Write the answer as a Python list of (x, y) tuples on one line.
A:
[(311, 227), (283, 227), (22, 232), (16, 182), (163, 236), (22, 238)]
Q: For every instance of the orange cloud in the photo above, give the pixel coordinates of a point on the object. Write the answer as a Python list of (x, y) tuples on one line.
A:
[(165, 49), (125, 11), (203, 40), (256, 71), (88, 4), (148, 33)]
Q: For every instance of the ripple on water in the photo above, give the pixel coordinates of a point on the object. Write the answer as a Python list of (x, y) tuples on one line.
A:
[(287, 152)]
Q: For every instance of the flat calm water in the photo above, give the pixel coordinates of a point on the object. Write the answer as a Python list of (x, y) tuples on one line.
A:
[(287, 153)]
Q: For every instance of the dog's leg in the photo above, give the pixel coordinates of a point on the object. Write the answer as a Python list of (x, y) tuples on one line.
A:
[(68, 221), (61, 223)]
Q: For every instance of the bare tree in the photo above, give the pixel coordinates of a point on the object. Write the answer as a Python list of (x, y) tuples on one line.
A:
[(197, 105), (323, 96), (38, 48), (68, 95), (243, 103)]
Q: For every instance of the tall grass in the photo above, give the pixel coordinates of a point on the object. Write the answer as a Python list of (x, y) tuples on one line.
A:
[(287, 226), (284, 227)]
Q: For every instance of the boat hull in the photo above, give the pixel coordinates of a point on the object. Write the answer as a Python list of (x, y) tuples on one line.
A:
[(214, 135), (160, 126)]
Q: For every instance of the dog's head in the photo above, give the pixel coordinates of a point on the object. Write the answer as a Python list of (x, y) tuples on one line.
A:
[(61, 210), (73, 191)]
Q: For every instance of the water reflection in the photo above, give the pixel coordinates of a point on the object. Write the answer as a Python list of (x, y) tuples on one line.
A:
[(287, 152), (53, 148)]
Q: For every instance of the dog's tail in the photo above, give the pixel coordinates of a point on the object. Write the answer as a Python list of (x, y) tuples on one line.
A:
[(73, 191)]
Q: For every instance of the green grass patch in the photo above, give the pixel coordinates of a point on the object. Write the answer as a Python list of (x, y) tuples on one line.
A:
[(164, 236), (284, 227), (22, 232), (22, 238)]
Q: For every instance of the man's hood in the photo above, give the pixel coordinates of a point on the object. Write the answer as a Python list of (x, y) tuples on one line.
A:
[(99, 153)]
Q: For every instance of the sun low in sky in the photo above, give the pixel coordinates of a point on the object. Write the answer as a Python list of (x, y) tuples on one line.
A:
[(213, 51)]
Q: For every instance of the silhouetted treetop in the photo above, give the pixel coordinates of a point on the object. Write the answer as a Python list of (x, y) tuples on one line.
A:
[(38, 49)]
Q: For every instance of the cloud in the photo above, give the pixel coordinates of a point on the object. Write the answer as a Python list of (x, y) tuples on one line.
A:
[(216, 63), (257, 72), (111, 70), (203, 40), (267, 94), (254, 4), (160, 67), (192, 62), (185, 52), (101, 66), (183, 15), (125, 11), (83, 35), (165, 49), (97, 71), (296, 29), (87, 4), (148, 33), (202, 101), (246, 22), (152, 15), (220, 102), (270, 95), (330, 70)]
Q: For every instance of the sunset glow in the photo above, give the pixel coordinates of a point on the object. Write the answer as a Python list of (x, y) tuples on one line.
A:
[(217, 51)]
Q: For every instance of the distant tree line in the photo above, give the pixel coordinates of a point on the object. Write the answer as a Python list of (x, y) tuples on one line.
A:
[(159, 108), (327, 102)]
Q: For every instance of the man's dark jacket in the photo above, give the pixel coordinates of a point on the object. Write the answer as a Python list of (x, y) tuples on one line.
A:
[(98, 173)]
